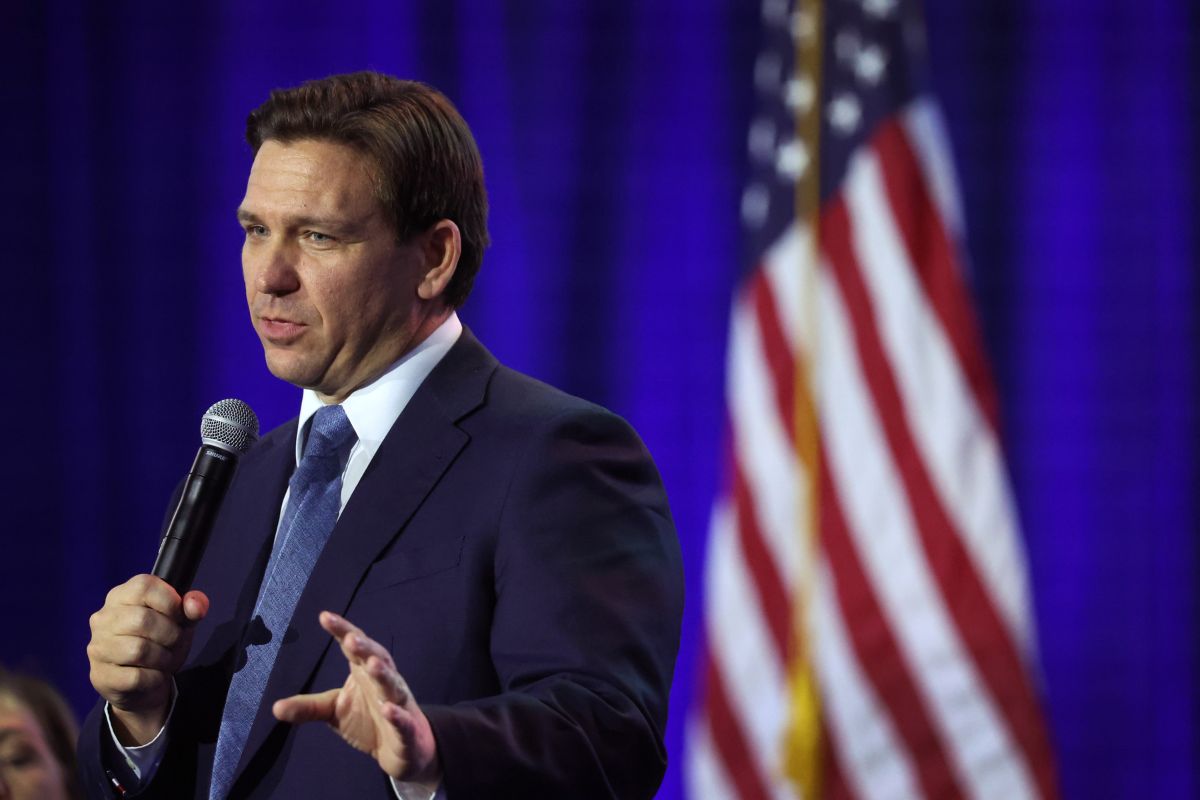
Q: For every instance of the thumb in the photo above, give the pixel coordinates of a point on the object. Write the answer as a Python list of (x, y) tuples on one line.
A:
[(195, 605), (306, 707)]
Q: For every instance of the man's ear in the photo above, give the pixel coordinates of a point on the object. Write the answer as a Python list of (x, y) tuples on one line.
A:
[(441, 249)]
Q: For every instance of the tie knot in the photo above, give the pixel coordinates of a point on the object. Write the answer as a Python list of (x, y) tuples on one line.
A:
[(329, 434)]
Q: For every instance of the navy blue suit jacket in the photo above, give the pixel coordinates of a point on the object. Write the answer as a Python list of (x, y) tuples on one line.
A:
[(511, 546)]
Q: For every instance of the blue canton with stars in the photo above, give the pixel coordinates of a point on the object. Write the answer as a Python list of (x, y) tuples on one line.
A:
[(873, 65)]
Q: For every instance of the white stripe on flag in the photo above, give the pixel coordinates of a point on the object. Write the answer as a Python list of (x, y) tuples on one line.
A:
[(763, 446), (955, 441), (741, 648), (881, 527), (705, 774), (873, 759), (783, 267)]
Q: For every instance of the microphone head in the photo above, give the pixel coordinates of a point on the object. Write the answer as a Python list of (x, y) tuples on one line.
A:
[(229, 425)]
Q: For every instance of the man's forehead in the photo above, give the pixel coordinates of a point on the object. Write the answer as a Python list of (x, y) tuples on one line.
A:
[(309, 156), (308, 177)]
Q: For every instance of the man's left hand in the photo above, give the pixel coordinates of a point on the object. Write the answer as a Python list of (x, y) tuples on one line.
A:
[(373, 711)]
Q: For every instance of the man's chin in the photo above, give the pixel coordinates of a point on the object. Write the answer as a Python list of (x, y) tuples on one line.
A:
[(292, 370)]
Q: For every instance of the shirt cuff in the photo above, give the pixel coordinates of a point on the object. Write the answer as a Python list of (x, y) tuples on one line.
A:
[(142, 761), (414, 791)]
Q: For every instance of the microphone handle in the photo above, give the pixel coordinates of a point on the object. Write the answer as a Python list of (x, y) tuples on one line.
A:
[(187, 534)]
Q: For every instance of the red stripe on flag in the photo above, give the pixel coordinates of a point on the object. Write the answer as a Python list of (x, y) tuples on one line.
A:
[(878, 653), (728, 738), (778, 354), (768, 583), (978, 623), (932, 256)]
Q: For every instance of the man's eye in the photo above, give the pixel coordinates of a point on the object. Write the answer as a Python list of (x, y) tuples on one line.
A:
[(256, 230), (318, 238)]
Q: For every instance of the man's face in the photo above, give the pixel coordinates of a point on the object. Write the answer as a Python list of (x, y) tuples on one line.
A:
[(332, 294)]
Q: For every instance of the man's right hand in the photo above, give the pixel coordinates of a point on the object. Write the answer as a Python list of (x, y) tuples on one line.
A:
[(140, 639)]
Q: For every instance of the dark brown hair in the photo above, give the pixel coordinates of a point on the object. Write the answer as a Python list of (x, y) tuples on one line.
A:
[(53, 716), (426, 164)]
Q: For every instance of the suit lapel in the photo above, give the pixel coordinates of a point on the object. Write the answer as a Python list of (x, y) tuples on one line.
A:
[(412, 459)]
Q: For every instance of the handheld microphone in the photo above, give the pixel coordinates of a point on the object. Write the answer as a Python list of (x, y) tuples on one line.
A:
[(227, 430)]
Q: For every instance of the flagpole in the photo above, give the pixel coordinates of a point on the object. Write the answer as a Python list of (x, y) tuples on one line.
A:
[(803, 745)]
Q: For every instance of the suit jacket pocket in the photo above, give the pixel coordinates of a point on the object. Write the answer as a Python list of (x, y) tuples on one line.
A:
[(409, 564)]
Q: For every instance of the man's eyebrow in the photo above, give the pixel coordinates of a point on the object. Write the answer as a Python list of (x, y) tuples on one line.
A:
[(246, 216)]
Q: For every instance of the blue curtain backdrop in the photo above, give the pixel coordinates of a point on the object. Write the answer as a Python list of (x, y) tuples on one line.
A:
[(613, 134)]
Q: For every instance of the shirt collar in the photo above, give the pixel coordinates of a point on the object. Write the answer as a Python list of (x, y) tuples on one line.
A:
[(374, 408)]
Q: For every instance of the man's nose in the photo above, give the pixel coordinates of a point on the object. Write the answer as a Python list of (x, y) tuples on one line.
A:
[(275, 270)]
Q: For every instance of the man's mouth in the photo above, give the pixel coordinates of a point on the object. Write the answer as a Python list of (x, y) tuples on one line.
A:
[(280, 330)]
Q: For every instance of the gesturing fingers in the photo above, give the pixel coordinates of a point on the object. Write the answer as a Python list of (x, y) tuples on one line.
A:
[(356, 645), (402, 719), (307, 707), (387, 679), (338, 627), (374, 711), (369, 656)]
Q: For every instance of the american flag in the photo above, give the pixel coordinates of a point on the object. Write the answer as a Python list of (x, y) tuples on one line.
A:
[(867, 621)]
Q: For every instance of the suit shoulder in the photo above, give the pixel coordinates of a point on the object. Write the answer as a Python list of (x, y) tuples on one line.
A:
[(527, 403)]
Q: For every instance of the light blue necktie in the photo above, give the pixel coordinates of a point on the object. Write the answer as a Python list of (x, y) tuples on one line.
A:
[(314, 498)]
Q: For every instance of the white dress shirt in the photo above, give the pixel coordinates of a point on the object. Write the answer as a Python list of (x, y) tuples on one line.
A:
[(372, 410)]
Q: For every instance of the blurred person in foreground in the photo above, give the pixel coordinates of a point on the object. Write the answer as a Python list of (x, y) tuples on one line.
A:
[(37, 741), (471, 577)]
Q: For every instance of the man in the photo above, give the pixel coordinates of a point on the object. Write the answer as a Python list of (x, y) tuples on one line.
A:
[(472, 578)]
